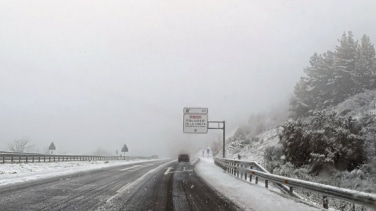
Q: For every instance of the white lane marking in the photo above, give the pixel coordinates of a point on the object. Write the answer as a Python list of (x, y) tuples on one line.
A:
[(168, 170), (130, 167), (179, 171), (129, 185), (119, 191)]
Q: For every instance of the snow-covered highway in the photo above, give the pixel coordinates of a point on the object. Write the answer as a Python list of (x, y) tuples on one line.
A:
[(133, 185)]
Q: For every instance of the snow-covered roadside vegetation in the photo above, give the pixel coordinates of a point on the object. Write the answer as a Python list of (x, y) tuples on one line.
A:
[(329, 134), (267, 149)]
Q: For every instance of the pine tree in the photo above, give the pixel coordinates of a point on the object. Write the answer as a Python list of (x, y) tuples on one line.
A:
[(366, 65), (321, 77), (334, 76), (314, 92), (344, 68), (300, 104)]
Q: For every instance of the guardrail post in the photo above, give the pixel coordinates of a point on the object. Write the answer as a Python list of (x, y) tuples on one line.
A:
[(291, 190), (3, 158), (238, 170), (256, 180), (325, 202), (27, 159), (11, 159), (250, 175), (266, 183)]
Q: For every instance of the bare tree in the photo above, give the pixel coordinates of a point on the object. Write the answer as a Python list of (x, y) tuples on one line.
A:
[(21, 145), (215, 147)]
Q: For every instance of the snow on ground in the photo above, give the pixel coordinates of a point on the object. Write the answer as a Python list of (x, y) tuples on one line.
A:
[(255, 150), (22, 172), (357, 105), (248, 196)]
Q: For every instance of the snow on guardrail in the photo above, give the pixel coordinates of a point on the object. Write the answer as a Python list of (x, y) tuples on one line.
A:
[(244, 169)]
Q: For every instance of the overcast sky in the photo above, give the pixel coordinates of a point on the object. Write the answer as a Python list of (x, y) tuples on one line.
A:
[(98, 74)]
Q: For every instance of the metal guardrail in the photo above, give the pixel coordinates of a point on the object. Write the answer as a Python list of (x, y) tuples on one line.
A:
[(244, 169), (13, 157)]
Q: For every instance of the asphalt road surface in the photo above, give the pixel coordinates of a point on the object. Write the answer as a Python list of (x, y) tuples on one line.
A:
[(155, 185)]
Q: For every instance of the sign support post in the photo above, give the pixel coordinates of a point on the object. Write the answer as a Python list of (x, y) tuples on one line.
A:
[(223, 128)]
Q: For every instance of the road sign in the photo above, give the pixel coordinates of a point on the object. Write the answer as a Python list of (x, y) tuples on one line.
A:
[(195, 120), (195, 110), (124, 149)]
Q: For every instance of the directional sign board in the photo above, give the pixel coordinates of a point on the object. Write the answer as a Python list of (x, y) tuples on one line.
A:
[(195, 120)]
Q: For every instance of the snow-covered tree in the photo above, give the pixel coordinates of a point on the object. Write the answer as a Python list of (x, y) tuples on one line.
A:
[(365, 71), (324, 139), (344, 68), (332, 77), (216, 147)]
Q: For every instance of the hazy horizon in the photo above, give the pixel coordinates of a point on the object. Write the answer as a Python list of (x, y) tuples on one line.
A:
[(100, 74)]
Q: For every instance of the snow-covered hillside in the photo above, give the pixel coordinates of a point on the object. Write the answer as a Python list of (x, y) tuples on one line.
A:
[(361, 107), (260, 147), (358, 105), (254, 149)]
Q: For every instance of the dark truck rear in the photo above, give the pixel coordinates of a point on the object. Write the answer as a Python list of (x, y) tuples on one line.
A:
[(183, 157)]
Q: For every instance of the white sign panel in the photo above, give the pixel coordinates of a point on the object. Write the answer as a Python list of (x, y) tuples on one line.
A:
[(195, 120), (195, 111)]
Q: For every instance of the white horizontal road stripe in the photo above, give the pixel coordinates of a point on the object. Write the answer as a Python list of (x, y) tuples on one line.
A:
[(168, 170), (128, 185), (180, 171), (130, 167), (119, 191)]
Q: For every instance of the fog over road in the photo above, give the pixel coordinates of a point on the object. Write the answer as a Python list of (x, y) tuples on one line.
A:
[(154, 185)]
